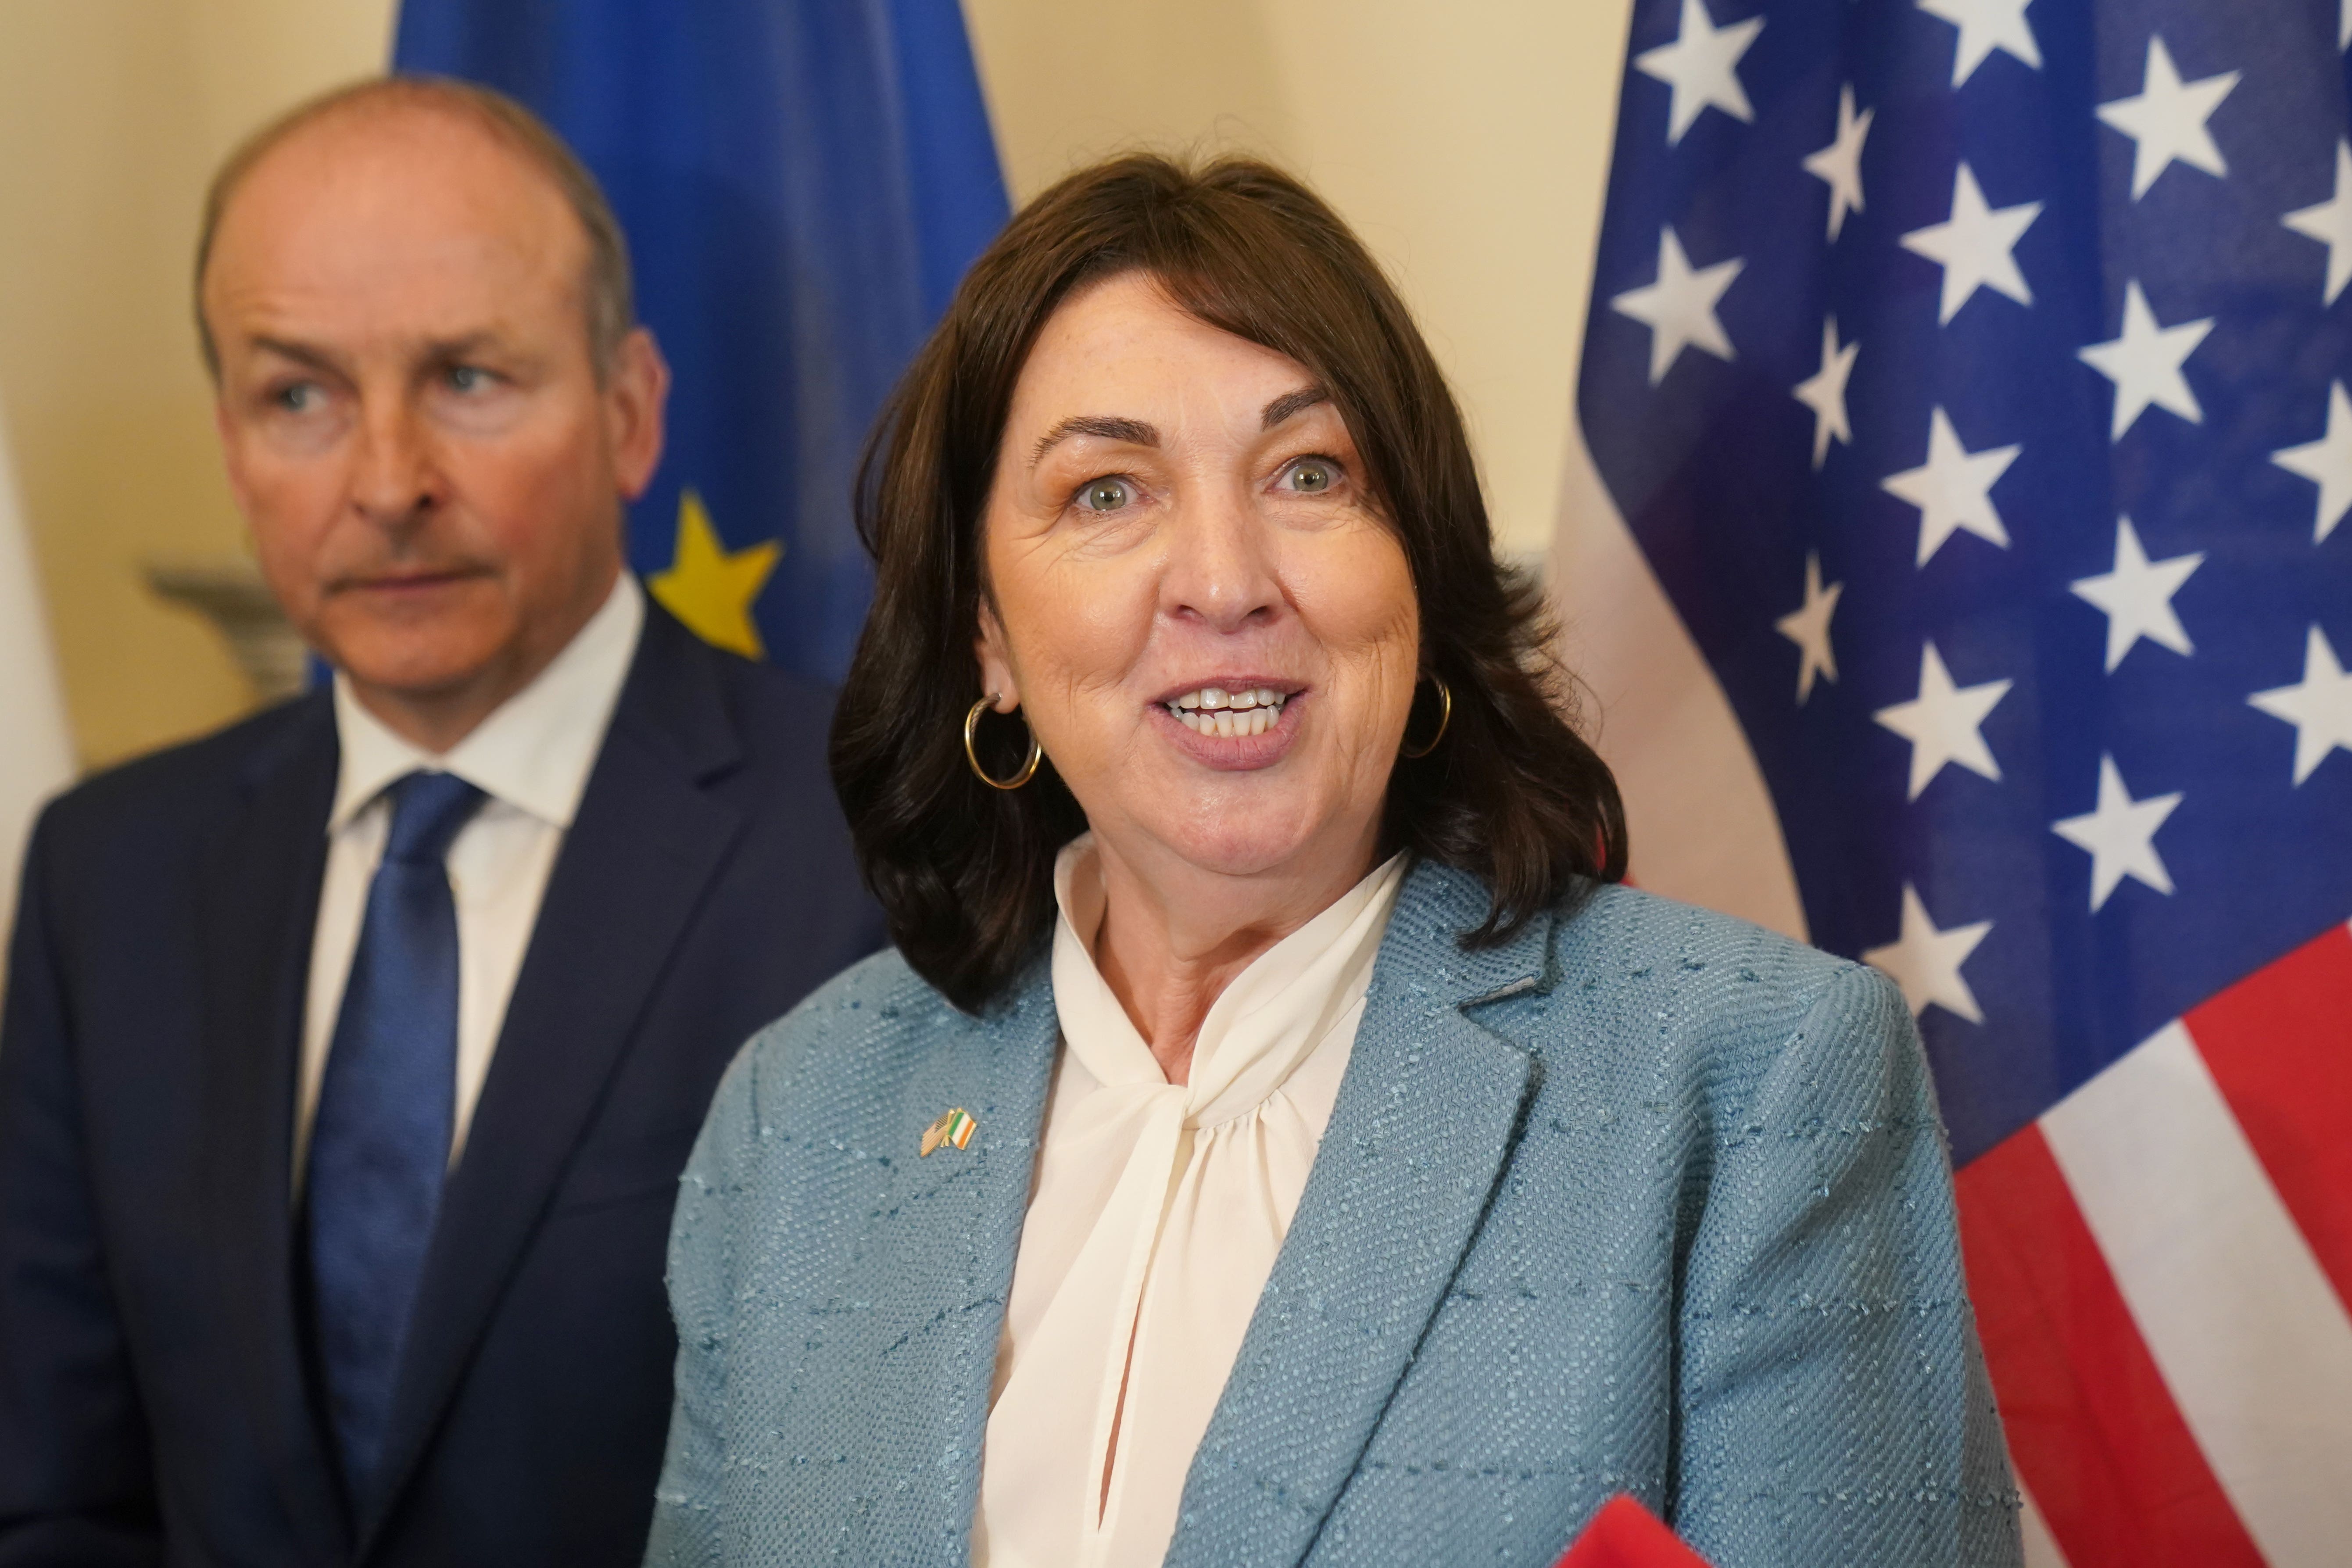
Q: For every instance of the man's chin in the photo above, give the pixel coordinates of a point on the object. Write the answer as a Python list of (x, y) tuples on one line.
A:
[(413, 670)]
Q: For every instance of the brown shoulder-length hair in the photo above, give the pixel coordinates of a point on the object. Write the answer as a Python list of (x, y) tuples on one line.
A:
[(1512, 793)]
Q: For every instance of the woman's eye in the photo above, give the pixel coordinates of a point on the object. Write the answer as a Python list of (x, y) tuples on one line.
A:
[(1311, 476), (1106, 495)]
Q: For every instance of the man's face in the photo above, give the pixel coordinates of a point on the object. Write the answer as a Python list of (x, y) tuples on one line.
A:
[(414, 424)]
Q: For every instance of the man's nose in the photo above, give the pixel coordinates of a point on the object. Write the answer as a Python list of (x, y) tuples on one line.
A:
[(394, 481), (1221, 570)]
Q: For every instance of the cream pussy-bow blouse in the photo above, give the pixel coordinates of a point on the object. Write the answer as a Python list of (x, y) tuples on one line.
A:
[(1158, 1212)]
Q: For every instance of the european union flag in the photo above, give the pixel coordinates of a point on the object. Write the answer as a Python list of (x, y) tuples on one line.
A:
[(802, 182)]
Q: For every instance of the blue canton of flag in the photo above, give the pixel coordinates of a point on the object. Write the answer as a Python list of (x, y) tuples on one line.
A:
[(804, 183), (1973, 377)]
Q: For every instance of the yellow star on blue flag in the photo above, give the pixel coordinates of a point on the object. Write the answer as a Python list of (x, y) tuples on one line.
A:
[(712, 588)]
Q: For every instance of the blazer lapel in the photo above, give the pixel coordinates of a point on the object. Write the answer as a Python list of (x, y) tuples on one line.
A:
[(644, 847), (940, 1250), (1425, 1121), (259, 899)]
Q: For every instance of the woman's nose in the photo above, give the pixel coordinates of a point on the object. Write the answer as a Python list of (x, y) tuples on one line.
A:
[(1221, 569)]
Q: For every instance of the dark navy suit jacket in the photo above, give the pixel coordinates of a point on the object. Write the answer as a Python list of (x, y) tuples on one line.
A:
[(155, 1403)]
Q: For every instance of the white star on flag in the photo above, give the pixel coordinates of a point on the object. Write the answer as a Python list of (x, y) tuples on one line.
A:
[(2166, 120), (2326, 462), (1973, 245), (1702, 67), (2145, 364), (1809, 627), (1926, 962), (1986, 26), (1839, 165), (2119, 834), (1679, 308), (1953, 490), (1944, 722), (1823, 392), (2330, 222), (2136, 596), (2319, 707)]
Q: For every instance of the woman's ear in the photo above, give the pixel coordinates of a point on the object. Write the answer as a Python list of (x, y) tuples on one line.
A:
[(996, 661)]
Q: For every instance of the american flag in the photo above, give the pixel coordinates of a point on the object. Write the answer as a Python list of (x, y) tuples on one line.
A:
[(1970, 575)]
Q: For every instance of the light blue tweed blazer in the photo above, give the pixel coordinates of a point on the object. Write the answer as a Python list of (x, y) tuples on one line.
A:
[(1645, 1200)]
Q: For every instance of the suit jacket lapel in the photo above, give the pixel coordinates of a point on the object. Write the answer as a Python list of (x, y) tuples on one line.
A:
[(942, 1248), (1425, 1121), (644, 847), (258, 889)]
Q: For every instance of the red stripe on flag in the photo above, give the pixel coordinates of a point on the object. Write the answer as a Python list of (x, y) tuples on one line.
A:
[(2279, 1043), (2091, 1428)]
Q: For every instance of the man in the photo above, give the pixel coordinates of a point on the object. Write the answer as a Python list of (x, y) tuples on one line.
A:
[(351, 1055)]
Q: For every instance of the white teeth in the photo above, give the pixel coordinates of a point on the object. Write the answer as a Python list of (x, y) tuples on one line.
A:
[(1217, 699), (1212, 710)]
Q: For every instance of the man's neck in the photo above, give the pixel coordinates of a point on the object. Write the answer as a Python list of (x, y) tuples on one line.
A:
[(436, 723)]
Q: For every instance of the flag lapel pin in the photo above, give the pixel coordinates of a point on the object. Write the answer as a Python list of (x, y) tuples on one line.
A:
[(954, 1127)]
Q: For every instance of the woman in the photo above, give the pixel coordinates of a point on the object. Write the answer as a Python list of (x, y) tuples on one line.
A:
[(1274, 1139)]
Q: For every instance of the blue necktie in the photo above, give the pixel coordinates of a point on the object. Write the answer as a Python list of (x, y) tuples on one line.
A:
[(380, 1142)]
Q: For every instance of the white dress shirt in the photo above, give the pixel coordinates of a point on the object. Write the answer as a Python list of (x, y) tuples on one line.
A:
[(530, 757), (1158, 1212)]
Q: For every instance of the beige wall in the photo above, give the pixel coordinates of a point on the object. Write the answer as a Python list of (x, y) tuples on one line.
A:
[(111, 115), (1467, 141)]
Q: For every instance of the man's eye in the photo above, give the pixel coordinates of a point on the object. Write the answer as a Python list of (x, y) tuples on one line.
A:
[(1106, 495), (1311, 476), (467, 378), (301, 397)]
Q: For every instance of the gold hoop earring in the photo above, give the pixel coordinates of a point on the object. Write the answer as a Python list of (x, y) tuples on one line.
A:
[(1444, 717), (1028, 769)]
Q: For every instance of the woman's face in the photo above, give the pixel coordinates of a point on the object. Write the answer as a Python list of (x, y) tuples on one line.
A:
[(1202, 618)]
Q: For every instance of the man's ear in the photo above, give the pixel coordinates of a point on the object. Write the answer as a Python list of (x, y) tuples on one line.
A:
[(636, 392), (996, 675)]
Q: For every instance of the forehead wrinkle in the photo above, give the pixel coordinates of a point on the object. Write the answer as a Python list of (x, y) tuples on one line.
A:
[(361, 167), (289, 340), (1132, 432)]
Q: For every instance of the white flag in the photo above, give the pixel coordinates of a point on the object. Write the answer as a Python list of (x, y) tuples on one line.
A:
[(35, 759)]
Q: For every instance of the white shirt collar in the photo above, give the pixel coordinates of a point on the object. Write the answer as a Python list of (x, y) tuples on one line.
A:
[(1268, 1019), (535, 750)]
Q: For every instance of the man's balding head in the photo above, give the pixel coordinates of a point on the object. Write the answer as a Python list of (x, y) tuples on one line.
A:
[(606, 293), (432, 402)]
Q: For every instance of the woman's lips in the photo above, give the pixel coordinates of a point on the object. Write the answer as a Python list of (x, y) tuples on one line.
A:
[(1235, 752)]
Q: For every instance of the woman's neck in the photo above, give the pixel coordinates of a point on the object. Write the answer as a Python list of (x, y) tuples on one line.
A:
[(1173, 936)]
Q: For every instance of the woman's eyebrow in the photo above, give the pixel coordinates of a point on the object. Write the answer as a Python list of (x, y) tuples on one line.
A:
[(1291, 403), (1133, 432)]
